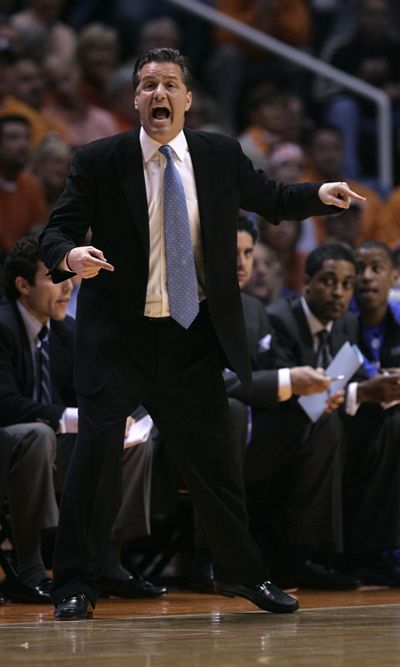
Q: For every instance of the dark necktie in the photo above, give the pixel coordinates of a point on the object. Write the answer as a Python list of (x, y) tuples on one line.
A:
[(44, 381), (181, 271), (324, 356)]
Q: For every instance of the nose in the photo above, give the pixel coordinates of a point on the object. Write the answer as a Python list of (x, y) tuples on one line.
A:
[(68, 286), (240, 260), (159, 92)]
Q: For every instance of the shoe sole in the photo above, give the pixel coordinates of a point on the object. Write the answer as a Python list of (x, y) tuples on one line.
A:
[(72, 617)]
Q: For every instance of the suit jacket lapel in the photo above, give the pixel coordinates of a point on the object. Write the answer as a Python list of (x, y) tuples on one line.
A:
[(205, 180), (133, 183), (305, 337)]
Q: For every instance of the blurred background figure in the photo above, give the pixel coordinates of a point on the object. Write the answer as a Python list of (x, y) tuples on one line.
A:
[(42, 32), (97, 54), (50, 164), (83, 121), (266, 281), (22, 204)]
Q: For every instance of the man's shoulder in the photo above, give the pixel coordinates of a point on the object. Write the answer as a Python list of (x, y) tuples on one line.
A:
[(109, 144), (284, 307), (212, 139), (8, 311)]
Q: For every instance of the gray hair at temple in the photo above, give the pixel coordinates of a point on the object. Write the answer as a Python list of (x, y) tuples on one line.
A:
[(164, 55)]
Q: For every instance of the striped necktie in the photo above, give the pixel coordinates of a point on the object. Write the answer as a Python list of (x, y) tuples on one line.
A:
[(44, 381), (181, 271)]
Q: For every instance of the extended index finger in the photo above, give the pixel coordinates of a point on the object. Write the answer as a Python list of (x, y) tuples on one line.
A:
[(101, 263)]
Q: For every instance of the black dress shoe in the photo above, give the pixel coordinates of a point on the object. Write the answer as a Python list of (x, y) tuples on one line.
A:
[(16, 591), (74, 608), (134, 587), (315, 575), (266, 596)]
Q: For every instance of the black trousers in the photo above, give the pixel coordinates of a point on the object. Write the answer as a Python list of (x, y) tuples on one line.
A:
[(372, 480), (176, 375), (293, 473)]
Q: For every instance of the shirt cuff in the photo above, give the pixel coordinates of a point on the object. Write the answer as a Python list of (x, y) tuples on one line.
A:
[(69, 421), (351, 399), (284, 384)]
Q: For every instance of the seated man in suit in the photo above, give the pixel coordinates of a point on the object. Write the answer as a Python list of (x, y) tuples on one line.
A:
[(330, 279), (36, 353), (372, 516), (293, 484)]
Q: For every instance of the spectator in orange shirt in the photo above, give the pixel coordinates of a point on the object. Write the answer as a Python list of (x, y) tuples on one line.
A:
[(27, 91), (391, 218), (21, 203)]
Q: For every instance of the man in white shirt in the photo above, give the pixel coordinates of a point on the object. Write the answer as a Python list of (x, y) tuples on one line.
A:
[(151, 351)]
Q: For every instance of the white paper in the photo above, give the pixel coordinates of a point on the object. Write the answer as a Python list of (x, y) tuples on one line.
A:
[(346, 362), (139, 431)]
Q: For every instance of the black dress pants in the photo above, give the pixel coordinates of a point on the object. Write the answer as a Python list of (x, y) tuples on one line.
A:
[(176, 374)]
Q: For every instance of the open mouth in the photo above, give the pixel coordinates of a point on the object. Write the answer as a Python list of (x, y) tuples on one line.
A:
[(161, 113)]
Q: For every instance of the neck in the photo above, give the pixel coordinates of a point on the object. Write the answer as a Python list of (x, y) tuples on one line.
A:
[(374, 317)]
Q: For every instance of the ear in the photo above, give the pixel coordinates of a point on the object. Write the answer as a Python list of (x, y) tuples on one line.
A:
[(395, 277), (22, 286), (135, 102), (188, 100), (306, 284)]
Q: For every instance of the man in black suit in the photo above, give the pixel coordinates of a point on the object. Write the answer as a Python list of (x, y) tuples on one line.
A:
[(372, 517), (330, 279), (124, 320), (293, 484), (44, 429)]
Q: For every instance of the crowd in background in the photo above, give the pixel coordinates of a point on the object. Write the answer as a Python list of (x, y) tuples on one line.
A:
[(66, 68)]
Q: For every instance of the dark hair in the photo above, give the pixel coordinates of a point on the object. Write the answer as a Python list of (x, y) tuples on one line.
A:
[(324, 127), (22, 260), (379, 245), (247, 225), (13, 118), (164, 55), (319, 255)]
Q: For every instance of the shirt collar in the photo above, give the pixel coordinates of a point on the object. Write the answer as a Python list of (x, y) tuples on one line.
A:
[(150, 147), (32, 325), (313, 322)]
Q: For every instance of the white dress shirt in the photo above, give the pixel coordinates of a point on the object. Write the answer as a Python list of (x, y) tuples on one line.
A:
[(154, 164)]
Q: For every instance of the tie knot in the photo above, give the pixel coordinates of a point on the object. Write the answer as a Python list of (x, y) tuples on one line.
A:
[(43, 333), (323, 336), (166, 151)]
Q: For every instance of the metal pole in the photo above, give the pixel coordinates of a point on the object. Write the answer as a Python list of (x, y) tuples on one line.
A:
[(298, 57)]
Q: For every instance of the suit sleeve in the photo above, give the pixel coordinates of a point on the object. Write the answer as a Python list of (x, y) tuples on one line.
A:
[(276, 201), (72, 217)]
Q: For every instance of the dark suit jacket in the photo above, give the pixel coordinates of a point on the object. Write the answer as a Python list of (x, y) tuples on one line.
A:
[(106, 192), (264, 390), (17, 373), (288, 319)]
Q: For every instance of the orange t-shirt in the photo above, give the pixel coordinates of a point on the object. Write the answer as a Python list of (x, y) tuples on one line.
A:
[(20, 209)]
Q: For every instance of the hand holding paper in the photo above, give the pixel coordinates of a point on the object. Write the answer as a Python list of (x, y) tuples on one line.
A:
[(343, 366)]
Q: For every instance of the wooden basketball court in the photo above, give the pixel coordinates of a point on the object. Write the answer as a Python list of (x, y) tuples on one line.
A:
[(351, 629)]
